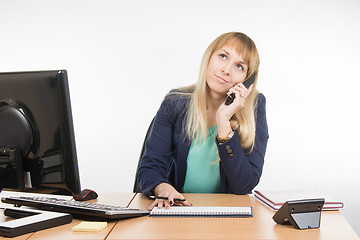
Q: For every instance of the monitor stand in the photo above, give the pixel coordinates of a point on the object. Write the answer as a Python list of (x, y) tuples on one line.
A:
[(11, 168)]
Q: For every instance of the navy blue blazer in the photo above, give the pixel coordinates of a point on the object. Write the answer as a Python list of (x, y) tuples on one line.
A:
[(167, 148)]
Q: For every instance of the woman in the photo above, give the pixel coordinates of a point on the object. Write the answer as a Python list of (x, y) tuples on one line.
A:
[(200, 144)]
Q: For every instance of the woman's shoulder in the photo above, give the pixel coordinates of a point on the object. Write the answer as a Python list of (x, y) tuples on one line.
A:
[(260, 103), (176, 102), (178, 96), (260, 99), (185, 91)]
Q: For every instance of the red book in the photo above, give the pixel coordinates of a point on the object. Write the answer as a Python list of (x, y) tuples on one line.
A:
[(275, 199)]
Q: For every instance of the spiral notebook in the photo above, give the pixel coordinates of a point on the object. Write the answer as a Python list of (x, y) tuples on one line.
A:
[(202, 212)]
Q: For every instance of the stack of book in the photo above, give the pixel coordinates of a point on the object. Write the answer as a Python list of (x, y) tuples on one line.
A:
[(275, 199)]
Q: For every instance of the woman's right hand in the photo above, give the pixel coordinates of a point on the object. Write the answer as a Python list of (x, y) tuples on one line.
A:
[(166, 190)]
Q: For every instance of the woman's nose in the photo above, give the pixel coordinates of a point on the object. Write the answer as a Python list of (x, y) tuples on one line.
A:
[(226, 68)]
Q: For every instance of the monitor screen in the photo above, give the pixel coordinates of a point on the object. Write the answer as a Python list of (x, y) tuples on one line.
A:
[(37, 143)]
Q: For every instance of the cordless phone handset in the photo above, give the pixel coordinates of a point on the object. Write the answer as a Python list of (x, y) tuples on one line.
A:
[(247, 84)]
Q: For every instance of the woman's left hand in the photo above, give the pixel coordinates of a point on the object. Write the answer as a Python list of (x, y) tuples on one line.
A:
[(241, 93), (225, 112)]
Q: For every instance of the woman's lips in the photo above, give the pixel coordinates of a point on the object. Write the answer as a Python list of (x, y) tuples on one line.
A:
[(220, 79)]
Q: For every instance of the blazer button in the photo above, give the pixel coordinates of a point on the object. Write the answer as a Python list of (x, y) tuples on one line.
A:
[(231, 155), (228, 149)]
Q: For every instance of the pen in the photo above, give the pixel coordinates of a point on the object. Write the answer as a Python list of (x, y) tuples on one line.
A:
[(166, 198)]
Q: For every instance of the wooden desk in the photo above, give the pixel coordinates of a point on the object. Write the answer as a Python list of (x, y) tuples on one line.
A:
[(260, 226), (65, 231)]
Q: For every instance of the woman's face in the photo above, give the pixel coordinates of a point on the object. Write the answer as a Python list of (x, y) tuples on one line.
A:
[(226, 68)]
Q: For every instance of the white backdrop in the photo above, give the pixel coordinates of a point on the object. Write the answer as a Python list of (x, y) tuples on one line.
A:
[(122, 58)]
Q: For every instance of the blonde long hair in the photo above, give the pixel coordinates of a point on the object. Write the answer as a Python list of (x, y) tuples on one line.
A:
[(243, 121)]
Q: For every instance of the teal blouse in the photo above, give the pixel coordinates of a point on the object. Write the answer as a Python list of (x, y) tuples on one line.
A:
[(203, 173)]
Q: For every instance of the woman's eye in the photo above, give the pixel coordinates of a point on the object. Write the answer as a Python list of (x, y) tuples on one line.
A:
[(239, 66), (222, 56)]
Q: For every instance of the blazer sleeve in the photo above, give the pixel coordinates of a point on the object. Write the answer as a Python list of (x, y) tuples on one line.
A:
[(156, 161), (240, 172)]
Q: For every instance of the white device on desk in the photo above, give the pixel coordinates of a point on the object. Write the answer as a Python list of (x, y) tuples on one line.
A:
[(30, 220)]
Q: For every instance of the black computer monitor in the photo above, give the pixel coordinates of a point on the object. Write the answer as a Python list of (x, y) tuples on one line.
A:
[(36, 133)]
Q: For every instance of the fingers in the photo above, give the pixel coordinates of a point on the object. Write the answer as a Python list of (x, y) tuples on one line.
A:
[(186, 203), (152, 205), (250, 88), (241, 92), (160, 203), (167, 203)]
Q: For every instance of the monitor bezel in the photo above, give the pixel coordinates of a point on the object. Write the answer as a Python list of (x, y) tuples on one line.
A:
[(71, 184)]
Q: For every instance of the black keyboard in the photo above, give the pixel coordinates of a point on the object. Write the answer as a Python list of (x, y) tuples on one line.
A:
[(81, 210)]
